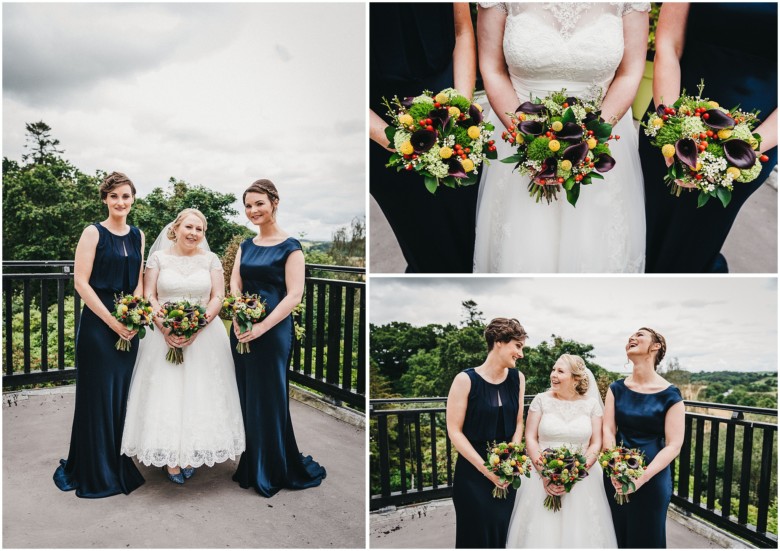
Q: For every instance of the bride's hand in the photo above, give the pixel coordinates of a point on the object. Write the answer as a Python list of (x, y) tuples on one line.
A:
[(256, 331), (553, 489)]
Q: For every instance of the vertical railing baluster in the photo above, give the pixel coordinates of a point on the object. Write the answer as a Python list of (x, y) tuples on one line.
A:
[(402, 451), (349, 320), (362, 366), (320, 352), (308, 328), (296, 351), (434, 466), (334, 334), (698, 460), (61, 323), (418, 451), (44, 326), (26, 309), (712, 470), (685, 461), (744, 481), (728, 468), (384, 456), (8, 291), (767, 453)]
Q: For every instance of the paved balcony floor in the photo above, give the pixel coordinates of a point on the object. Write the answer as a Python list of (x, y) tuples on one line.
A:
[(209, 511)]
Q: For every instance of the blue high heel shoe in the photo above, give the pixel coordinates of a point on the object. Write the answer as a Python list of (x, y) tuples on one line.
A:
[(187, 472), (175, 478)]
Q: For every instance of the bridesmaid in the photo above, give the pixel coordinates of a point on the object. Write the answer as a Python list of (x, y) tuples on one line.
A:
[(416, 47), (109, 256), (644, 411), (271, 265), (739, 71), (485, 404)]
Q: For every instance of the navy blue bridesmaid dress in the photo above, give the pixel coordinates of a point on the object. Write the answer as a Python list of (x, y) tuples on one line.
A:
[(271, 460), (95, 468), (640, 420), (682, 238), (482, 521), (410, 52)]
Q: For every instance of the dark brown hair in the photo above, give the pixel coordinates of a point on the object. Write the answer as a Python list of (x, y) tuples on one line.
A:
[(657, 338), (266, 187), (112, 181), (503, 330)]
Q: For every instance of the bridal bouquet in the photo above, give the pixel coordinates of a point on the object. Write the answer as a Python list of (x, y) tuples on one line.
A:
[(624, 465), (565, 467), (134, 312), (561, 141), (442, 138), (246, 309), (710, 147), (509, 462), (185, 319)]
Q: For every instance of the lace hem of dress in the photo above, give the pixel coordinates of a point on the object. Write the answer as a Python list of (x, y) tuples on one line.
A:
[(191, 458)]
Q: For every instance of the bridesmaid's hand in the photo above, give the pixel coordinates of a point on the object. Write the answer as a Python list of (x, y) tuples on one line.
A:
[(638, 483), (495, 480), (256, 331), (121, 329)]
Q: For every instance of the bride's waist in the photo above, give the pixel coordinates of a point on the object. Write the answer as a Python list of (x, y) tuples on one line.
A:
[(526, 87), (572, 445), (203, 301)]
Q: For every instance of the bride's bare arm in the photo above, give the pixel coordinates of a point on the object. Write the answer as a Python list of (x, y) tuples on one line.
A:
[(592, 453), (624, 86), (492, 64), (464, 58)]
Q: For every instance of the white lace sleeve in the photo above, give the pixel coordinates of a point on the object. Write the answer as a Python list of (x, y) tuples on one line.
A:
[(215, 263), (628, 7), (536, 403), (499, 5), (153, 261), (595, 409)]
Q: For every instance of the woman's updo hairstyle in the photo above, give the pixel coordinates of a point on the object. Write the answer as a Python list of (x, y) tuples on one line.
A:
[(503, 330), (182, 215), (112, 181), (578, 372), (657, 338), (266, 187)]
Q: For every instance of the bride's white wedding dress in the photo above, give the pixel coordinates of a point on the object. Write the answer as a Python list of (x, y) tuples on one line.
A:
[(547, 47), (585, 520), (186, 414)]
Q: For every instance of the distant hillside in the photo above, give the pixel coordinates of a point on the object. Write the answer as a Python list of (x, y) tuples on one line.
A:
[(756, 388)]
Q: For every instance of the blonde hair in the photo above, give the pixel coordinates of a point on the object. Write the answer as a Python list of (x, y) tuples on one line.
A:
[(182, 215), (578, 372)]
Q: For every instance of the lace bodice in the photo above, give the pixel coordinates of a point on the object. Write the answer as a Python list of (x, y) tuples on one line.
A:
[(565, 421), (552, 45), (184, 277)]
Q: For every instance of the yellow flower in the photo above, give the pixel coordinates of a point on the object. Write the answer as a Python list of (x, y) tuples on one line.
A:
[(557, 126), (714, 104), (698, 168), (478, 106), (566, 164), (495, 460), (442, 98), (554, 145), (123, 308), (405, 119), (519, 139), (468, 165), (407, 148), (753, 142), (592, 142), (734, 171), (473, 132), (445, 152), (658, 123), (667, 151), (724, 134), (454, 112)]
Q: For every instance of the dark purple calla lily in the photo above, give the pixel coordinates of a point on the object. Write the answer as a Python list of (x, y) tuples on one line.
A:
[(534, 128), (440, 116), (407, 101), (660, 110), (717, 119), (604, 163), (632, 463), (570, 131), (591, 116), (571, 100), (475, 114), (576, 153), (582, 473), (687, 151), (202, 322), (423, 140), (530, 108), (455, 169), (739, 153), (549, 168)]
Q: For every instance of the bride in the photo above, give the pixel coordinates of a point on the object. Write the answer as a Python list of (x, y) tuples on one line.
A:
[(570, 413), (183, 416), (590, 49)]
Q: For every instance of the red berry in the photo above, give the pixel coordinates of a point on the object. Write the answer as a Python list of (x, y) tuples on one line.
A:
[(565, 105), (705, 116), (430, 128), (710, 134), (560, 180), (665, 117), (699, 176), (429, 121), (436, 104), (548, 134), (763, 158), (697, 114), (467, 150)]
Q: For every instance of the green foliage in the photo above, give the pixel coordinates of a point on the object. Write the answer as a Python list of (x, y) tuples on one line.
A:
[(715, 148), (348, 245), (668, 134), (42, 147), (539, 150), (601, 148), (462, 136), (461, 103), (420, 110)]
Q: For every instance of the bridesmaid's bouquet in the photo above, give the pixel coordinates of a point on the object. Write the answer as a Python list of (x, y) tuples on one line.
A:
[(624, 465), (561, 142), (509, 462), (246, 309), (184, 319), (443, 138), (564, 467), (710, 147), (134, 312)]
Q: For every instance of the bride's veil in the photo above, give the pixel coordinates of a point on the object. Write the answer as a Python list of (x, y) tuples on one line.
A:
[(163, 243), (593, 388)]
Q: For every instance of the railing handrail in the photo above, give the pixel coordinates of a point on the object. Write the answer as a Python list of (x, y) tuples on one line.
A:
[(69, 263)]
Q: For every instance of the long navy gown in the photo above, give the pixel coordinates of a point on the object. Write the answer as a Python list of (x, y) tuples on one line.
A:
[(410, 52), (640, 420), (482, 521), (740, 71), (95, 468), (271, 460)]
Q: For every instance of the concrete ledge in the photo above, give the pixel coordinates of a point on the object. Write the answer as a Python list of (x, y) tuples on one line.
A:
[(710, 531)]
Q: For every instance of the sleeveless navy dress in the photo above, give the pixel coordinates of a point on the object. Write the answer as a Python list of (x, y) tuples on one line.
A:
[(739, 71), (410, 52), (271, 460), (640, 420), (95, 468), (481, 520)]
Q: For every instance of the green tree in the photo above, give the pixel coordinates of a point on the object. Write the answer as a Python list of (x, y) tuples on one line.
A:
[(472, 315), (41, 146), (348, 244)]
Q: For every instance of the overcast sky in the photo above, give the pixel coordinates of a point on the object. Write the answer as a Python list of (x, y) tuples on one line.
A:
[(710, 324), (217, 95)]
